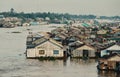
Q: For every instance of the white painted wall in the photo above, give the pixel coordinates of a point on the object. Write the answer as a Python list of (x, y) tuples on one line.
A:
[(49, 47), (31, 53)]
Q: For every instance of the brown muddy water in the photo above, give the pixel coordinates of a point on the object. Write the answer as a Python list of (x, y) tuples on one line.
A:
[(13, 62)]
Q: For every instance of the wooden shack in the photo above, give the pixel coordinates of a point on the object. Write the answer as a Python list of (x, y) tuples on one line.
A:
[(111, 62), (84, 51), (43, 47)]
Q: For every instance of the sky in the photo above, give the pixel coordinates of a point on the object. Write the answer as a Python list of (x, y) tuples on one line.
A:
[(82, 7)]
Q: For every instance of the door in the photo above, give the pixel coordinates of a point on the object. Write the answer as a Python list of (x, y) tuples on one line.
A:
[(85, 53)]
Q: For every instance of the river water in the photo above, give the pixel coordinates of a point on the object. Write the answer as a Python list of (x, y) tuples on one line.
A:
[(13, 62)]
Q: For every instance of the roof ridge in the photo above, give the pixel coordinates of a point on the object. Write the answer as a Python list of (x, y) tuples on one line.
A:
[(55, 42)]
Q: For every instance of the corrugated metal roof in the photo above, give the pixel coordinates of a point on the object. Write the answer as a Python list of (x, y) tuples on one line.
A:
[(114, 47), (85, 25)]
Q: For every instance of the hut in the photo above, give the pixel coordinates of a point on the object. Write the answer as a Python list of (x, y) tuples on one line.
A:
[(110, 63), (43, 47), (110, 50), (84, 51)]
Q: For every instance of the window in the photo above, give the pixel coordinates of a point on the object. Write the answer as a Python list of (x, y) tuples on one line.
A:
[(55, 51), (41, 51)]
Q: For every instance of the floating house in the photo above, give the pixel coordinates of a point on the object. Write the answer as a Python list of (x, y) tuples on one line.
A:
[(110, 63), (44, 47), (84, 51), (110, 50)]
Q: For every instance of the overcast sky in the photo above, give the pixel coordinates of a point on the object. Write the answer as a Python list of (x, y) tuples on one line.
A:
[(96, 7)]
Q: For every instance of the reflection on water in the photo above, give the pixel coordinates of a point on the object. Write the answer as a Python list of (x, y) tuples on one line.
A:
[(108, 74), (69, 61)]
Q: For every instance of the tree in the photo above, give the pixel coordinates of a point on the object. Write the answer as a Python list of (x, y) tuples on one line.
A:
[(11, 10)]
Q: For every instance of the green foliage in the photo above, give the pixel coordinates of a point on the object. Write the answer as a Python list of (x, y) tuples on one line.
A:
[(52, 16)]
